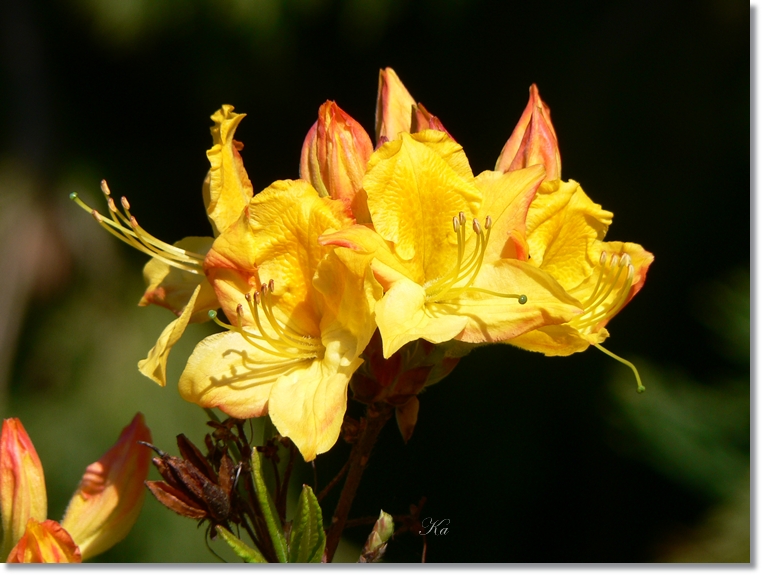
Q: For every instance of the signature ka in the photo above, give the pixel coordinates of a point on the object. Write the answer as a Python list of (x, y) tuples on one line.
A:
[(434, 526)]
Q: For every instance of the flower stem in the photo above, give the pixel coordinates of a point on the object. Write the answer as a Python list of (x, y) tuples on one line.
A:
[(375, 418)]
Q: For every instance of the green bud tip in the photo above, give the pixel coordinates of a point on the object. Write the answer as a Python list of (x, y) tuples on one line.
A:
[(73, 196), (522, 299), (212, 314)]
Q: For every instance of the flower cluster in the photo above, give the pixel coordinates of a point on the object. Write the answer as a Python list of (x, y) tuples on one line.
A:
[(400, 240), (101, 513)]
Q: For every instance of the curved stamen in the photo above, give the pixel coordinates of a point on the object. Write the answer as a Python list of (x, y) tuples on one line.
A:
[(641, 387), (125, 227), (461, 277), (597, 308)]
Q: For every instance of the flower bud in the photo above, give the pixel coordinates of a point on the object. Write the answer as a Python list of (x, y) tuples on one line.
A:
[(45, 542), (334, 156), (109, 498), (533, 140), (22, 484)]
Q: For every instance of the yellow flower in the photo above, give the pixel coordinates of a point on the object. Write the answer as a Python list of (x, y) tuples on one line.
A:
[(564, 237), (100, 514), (175, 275), (443, 247), (300, 316)]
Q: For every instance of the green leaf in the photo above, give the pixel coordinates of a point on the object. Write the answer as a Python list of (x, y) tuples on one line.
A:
[(248, 554), (307, 534), (269, 512)]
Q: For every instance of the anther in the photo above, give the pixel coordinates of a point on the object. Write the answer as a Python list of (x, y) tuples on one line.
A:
[(111, 204), (239, 310), (104, 188), (603, 258), (487, 222), (247, 297), (257, 298), (455, 223), (125, 203), (462, 218), (263, 290), (133, 222), (97, 216), (477, 226), (271, 285)]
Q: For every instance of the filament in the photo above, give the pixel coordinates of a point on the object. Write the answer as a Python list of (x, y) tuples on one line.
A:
[(461, 277), (641, 387), (125, 227)]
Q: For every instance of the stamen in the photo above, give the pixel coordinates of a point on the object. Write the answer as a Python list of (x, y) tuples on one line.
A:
[(285, 343), (461, 277), (597, 308), (641, 387), (125, 227)]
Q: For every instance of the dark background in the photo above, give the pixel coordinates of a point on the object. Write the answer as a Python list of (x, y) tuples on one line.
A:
[(532, 459)]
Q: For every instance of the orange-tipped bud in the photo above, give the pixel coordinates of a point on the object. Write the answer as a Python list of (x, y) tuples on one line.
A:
[(394, 106), (45, 542), (334, 156), (22, 484), (109, 498), (397, 111), (533, 140)]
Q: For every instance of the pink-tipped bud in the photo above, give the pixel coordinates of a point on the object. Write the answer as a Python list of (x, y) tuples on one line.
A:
[(533, 140), (109, 498), (334, 157), (22, 484), (45, 542)]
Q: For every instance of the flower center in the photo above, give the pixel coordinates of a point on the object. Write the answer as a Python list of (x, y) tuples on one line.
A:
[(272, 336), (612, 276), (461, 277), (125, 227)]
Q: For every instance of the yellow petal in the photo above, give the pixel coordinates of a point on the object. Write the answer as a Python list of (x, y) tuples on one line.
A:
[(415, 185), (22, 484), (492, 318), (110, 496), (278, 241), (171, 287), (227, 372), (155, 365), (403, 316), (556, 340), (45, 542), (308, 405), (563, 225), (394, 106), (227, 189), (507, 197)]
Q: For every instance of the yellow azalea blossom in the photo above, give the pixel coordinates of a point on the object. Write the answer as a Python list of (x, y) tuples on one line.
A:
[(175, 271), (100, 514), (564, 237), (300, 316), (443, 247)]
